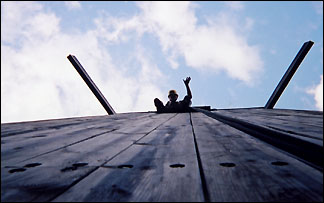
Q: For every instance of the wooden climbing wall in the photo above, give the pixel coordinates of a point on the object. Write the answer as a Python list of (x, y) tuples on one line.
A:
[(158, 157)]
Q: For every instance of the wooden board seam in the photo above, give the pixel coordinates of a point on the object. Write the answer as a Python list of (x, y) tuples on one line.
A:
[(307, 152), (96, 168)]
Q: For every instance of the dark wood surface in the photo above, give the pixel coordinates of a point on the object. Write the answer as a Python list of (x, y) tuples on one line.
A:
[(305, 148), (161, 166), (157, 157), (299, 123), (239, 167)]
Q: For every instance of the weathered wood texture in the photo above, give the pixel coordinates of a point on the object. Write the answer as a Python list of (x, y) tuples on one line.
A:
[(69, 162), (160, 167), (239, 167), (156, 157), (305, 148), (296, 122)]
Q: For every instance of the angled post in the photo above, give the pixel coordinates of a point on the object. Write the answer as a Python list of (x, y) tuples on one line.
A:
[(91, 84), (289, 74)]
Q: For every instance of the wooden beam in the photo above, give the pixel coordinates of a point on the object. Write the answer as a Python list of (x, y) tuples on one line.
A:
[(305, 151), (239, 168), (53, 170), (91, 84), (288, 75)]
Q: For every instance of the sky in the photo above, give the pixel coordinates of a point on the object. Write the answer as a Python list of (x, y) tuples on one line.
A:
[(235, 53)]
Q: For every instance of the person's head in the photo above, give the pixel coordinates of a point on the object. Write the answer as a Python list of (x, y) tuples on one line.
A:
[(173, 96)]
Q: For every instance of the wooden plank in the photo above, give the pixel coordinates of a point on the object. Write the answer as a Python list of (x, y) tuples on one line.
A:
[(47, 132), (108, 122), (303, 148), (276, 111), (15, 130), (239, 167), (295, 129), (18, 128), (310, 118), (37, 143), (284, 114), (59, 170), (300, 125), (160, 167), (293, 117)]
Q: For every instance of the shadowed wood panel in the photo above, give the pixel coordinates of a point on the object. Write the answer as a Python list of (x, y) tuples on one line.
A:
[(23, 128), (239, 167), (32, 144), (44, 177), (160, 167), (297, 122), (153, 157)]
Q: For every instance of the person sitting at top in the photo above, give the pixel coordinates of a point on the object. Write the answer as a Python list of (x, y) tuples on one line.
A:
[(173, 106)]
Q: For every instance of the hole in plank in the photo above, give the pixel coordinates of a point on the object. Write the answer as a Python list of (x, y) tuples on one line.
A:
[(141, 143), (32, 165), (227, 164), (125, 166), (17, 170), (79, 164), (177, 165), (279, 163), (35, 136), (72, 168)]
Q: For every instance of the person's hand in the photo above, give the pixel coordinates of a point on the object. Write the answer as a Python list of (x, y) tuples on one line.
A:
[(187, 80)]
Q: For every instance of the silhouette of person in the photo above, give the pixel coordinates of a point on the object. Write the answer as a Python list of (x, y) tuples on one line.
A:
[(173, 106)]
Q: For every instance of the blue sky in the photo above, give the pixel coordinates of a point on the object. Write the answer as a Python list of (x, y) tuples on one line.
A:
[(235, 53)]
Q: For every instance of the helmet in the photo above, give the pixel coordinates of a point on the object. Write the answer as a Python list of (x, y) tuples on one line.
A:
[(172, 92)]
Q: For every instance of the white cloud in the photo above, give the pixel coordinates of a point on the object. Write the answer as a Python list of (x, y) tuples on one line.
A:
[(318, 6), (235, 5), (273, 51), (213, 47), (13, 20), (72, 5), (220, 45), (249, 22), (317, 91), (149, 74), (38, 81)]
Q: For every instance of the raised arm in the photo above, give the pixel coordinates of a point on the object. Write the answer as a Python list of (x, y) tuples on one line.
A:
[(186, 82)]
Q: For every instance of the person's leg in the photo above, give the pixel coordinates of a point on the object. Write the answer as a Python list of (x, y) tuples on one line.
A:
[(159, 105)]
